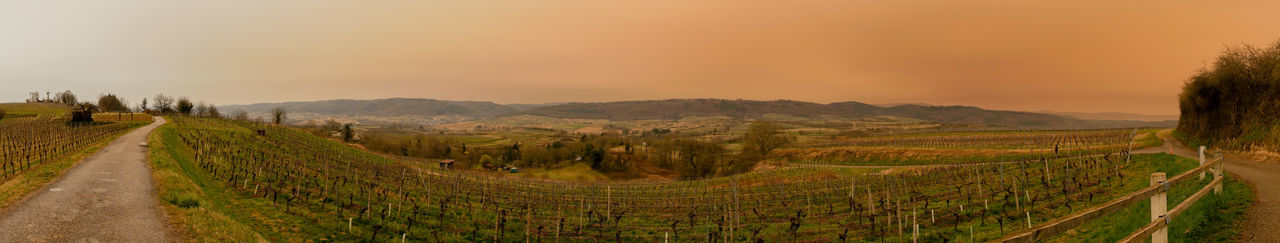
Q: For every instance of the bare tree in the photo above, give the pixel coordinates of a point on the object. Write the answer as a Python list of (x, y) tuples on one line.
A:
[(143, 107), (201, 110), (213, 111), (67, 98), (763, 137), (240, 115), (278, 115), (163, 104), (35, 97)]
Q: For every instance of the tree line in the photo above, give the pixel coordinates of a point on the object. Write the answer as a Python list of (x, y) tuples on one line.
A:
[(1234, 103), (690, 157)]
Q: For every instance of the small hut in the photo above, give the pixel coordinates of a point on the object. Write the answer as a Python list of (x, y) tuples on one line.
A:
[(445, 164)]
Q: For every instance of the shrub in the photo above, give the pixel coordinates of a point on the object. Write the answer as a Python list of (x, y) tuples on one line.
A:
[(183, 200), (1233, 96)]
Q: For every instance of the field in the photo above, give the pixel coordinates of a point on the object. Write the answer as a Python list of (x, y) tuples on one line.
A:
[(932, 148), (37, 144), (287, 185)]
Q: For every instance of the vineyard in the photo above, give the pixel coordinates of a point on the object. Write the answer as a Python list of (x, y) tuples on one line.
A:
[(34, 139), (962, 147), (317, 188)]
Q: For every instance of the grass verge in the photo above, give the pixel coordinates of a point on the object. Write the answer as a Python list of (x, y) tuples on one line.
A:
[(1215, 218), (193, 212), (204, 209)]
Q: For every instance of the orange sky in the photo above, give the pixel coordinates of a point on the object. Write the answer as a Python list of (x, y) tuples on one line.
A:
[(1091, 56)]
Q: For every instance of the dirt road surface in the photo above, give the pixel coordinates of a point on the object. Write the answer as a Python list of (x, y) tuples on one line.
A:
[(1263, 223), (106, 198)]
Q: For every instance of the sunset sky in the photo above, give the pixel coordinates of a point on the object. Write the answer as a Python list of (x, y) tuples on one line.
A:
[(1088, 56)]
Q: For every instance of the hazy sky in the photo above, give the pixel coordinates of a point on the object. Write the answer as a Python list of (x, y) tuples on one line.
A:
[(1093, 56)]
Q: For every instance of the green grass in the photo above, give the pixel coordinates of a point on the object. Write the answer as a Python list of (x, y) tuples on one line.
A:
[(574, 172), (33, 108), (1213, 218), (201, 209), (1150, 139), (1190, 141)]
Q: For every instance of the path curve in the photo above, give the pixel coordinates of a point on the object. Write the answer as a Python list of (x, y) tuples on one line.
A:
[(1263, 223), (105, 198)]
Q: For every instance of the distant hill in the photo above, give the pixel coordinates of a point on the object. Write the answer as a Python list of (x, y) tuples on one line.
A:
[(676, 108), (385, 107)]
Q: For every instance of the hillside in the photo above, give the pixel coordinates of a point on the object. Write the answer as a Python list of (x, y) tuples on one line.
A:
[(679, 108), (385, 107), (676, 108)]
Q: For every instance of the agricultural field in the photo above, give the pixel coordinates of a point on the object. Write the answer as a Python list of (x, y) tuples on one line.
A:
[(966, 147), (37, 143), (283, 184)]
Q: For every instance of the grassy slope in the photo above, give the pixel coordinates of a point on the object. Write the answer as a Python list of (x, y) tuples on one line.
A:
[(1213, 218), (33, 108), (195, 205), (206, 210)]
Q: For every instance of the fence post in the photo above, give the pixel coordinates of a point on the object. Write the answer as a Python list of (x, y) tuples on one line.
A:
[(1217, 173), (1202, 161), (1159, 208)]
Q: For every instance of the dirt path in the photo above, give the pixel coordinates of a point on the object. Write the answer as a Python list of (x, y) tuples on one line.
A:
[(1263, 223), (107, 197)]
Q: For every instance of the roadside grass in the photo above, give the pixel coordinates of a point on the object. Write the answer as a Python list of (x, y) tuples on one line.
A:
[(1190, 141), (196, 206), (1213, 218), (205, 209), (1148, 138)]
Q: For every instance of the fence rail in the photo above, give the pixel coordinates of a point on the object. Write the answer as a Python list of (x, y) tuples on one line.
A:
[(1157, 229)]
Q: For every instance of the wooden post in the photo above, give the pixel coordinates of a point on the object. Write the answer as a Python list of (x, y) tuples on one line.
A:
[(1202, 161), (915, 233), (1159, 208), (1217, 173), (1028, 219)]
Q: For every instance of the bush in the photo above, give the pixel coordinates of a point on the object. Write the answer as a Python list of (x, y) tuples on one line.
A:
[(1234, 97), (183, 200)]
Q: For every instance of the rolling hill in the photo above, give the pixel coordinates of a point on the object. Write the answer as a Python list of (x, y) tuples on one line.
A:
[(385, 107), (678, 108)]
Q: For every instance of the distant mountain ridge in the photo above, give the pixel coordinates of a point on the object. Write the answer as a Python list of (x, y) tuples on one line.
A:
[(385, 107), (678, 108)]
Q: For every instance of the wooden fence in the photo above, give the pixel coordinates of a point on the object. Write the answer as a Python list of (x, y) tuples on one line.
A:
[(1157, 193)]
